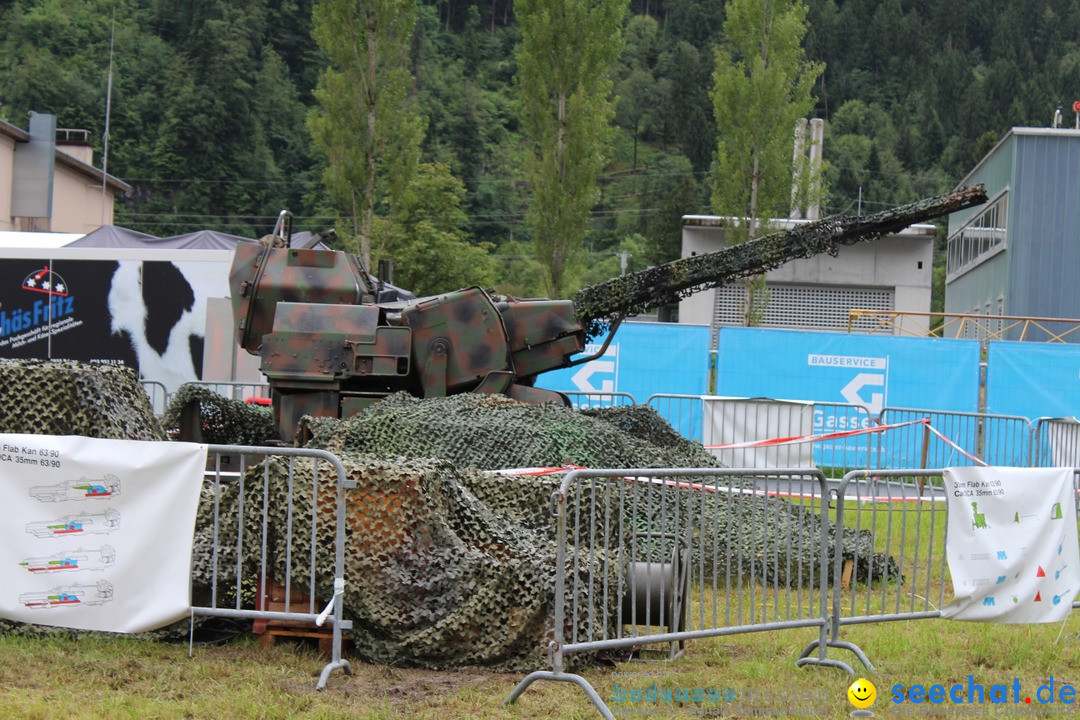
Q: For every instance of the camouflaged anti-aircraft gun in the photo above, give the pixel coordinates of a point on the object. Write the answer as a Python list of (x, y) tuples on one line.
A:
[(333, 339)]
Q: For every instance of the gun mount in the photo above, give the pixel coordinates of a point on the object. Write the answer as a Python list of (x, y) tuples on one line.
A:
[(332, 339)]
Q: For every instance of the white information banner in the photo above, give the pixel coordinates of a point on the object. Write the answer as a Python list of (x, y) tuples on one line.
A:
[(1012, 544), (98, 533)]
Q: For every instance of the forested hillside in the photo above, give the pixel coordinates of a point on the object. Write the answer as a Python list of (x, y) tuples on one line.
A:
[(210, 100)]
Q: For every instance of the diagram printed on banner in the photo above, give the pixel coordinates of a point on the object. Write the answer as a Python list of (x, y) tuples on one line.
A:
[(81, 524), (68, 560), (99, 520), (1012, 553), (81, 489), (81, 544), (69, 596)]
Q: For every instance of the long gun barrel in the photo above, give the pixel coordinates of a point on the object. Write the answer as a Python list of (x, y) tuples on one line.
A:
[(601, 305)]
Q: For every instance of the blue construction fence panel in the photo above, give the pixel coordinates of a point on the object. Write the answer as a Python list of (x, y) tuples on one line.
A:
[(875, 371), (643, 359), (1033, 380)]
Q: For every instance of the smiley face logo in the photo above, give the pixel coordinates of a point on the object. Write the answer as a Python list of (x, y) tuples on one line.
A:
[(862, 693)]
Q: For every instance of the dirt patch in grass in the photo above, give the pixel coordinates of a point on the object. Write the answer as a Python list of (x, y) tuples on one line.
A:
[(402, 687)]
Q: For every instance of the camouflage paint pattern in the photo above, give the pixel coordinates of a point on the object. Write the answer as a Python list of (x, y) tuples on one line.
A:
[(262, 276), (329, 349)]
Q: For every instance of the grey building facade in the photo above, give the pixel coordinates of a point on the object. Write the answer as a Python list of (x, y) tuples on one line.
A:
[(1017, 255)]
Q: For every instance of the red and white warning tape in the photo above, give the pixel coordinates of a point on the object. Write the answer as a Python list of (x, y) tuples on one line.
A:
[(951, 444), (534, 471), (770, 442), (799, 439), (682, 485)]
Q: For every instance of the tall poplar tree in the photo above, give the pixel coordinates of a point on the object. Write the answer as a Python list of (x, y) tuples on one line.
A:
[(564, 76), (366, 121), (761, 89)]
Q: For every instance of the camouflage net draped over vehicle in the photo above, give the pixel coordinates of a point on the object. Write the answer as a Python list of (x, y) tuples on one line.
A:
[(63, 397), (448, 566), (434, 577), (494, 432), (221, 421)]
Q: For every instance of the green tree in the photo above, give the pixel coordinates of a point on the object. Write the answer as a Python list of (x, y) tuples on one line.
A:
[(425, 236), (564, 60), (366, 122), (669, 192), (637, 87), (761, 88)]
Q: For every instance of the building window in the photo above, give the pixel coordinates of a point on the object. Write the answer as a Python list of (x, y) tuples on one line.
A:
[(978, 240)]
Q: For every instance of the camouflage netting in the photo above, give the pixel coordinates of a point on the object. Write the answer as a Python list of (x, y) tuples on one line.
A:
[(434, 578), (59, 397), (222, 421), (494, 432), (448, 566)]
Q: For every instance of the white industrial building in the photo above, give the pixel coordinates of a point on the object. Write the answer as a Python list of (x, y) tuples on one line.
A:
[(817, 293)]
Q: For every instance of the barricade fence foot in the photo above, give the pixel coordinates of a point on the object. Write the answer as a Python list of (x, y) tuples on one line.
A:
[(331, 667), (805, 657), (825, 662), (581, 682)]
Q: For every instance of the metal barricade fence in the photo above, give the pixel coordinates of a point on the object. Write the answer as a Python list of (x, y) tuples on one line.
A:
[(735, 421), (836, 455), (714, 420), (236, 390), (583, 399), (158, 395), (665, 556), (684, 413), (251, 522), (899, 570), (1004, 440), (1057, 442)]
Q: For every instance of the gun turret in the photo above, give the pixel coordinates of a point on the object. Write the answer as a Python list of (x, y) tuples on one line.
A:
[(332, 339)]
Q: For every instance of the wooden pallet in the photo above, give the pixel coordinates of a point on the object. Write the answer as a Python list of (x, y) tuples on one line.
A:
[(325, 637), (268, 631)]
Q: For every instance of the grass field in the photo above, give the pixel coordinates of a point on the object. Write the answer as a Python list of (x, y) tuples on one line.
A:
[(123, 677)]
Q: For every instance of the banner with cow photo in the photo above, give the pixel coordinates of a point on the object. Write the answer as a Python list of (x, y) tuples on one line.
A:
[(149, 315)]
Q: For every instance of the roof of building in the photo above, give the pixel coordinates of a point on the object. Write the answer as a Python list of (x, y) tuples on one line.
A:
[(75, 164), (723, 221), (11, 131), (20, 135), (1013, 132), (111, 236)]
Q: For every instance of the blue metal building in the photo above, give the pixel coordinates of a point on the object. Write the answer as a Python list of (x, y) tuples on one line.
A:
[(1017, 255)]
